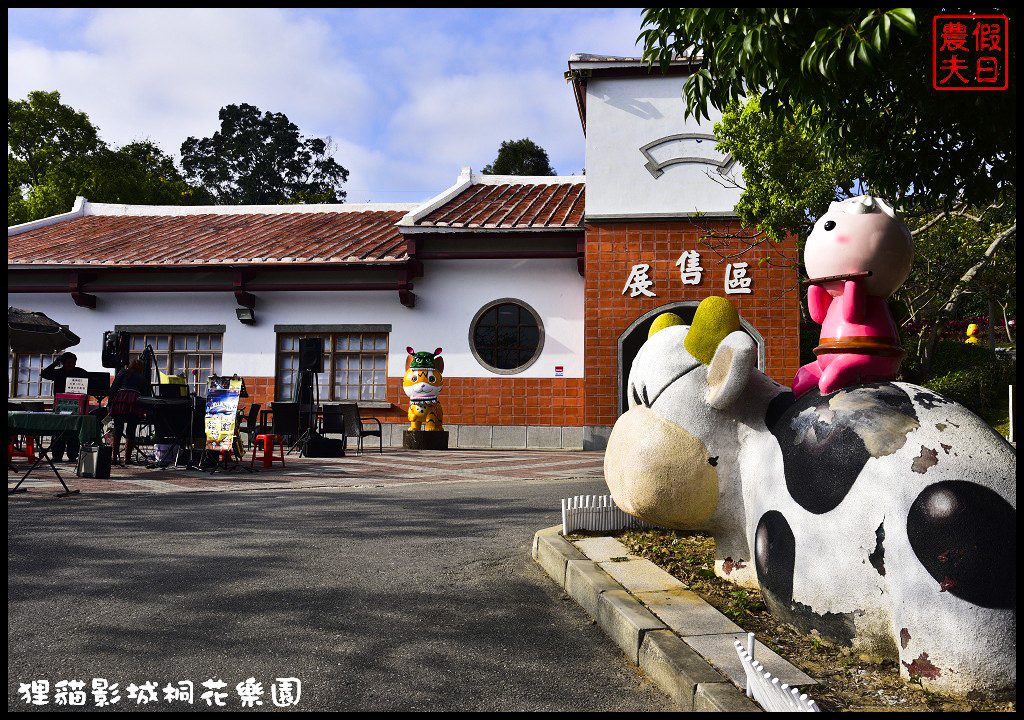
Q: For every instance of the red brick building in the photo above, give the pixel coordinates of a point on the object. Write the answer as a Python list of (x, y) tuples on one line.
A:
[(540, 290), (656, 189)]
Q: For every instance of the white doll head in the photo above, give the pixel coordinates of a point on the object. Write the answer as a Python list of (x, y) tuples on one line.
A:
[(856, 235)]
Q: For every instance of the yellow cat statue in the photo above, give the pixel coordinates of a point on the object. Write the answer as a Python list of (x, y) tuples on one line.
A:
[(422, 383)]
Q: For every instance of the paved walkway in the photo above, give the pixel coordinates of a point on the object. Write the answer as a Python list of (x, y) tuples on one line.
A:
[(415, 595), (394, 467)]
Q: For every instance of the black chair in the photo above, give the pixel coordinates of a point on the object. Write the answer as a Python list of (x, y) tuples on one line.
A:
[(250, 426), (285, 422), (333, 421), (354, 425)]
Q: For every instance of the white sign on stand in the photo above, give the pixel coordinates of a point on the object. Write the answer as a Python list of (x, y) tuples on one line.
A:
[(77, 385)]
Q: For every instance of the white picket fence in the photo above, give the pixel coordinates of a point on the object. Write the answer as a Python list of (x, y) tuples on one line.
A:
[(597, 513), (766, 689), (1013, 397)]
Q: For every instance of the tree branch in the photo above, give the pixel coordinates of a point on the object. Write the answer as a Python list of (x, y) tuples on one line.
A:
[(960, 289), (961, 212)]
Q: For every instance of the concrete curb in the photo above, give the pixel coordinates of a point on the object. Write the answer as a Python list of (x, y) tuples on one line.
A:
[(685, 676)]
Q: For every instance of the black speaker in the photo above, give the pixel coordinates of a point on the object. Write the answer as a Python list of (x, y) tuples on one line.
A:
[(115, 349), (311, 354)]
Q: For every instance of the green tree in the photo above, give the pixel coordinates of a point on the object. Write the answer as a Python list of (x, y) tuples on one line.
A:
[(16, 210), (139, 173), (960, 257), (846, 93), (789, 179), (44, 134), (55, 153), (520, 157), (48, 149), (859, 79), (260, 158)]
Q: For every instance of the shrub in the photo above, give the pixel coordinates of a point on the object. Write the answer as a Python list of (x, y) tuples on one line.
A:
[(972, 376)]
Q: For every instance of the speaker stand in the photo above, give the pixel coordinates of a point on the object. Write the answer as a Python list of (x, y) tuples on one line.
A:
[(302, 441)]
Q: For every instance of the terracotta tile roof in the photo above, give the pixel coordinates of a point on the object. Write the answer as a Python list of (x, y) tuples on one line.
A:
[(361, 236), (512, 206)]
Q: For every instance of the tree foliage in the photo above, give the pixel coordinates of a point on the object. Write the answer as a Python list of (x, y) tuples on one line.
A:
[(841, 103), (261, 158), (520, 157), (968, 255), (43, 134), (49, 146), (788, 177), (139, 173), (860, 79), (55, 154)]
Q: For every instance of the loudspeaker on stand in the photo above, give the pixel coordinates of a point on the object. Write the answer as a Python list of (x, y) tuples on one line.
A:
[(311, 354)]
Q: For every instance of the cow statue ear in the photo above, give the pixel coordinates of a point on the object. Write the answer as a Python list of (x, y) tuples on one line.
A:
[(730, 369)]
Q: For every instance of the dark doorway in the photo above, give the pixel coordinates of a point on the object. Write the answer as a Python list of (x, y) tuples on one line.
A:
[(635, 336)]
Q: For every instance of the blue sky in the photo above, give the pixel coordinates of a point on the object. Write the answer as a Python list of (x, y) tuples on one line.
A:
[(408, 96)]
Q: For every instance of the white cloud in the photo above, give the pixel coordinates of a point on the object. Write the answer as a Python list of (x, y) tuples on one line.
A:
[(409, 96), (165, 73)]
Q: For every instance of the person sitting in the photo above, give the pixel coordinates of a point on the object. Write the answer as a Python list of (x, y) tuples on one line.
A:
[(127, 387), (68, 363)]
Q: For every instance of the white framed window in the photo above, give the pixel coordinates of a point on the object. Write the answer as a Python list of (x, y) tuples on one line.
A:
[(23, 373), (355, 365), (182, 352)]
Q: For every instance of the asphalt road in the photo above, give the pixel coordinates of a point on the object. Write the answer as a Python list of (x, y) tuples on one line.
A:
[(409, 597)]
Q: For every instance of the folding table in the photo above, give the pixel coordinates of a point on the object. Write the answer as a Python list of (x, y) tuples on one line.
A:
[(55, 426)]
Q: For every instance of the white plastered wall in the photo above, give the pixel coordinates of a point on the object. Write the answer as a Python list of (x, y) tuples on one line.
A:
[(447, 298), (624, 115)]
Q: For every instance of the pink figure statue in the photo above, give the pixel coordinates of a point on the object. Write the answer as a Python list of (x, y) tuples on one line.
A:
[(861, 241)]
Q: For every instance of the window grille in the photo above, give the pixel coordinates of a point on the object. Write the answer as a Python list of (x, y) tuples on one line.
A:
[(355, 366)]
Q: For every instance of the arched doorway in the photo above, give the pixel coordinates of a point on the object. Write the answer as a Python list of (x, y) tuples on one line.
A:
[(636, 334)]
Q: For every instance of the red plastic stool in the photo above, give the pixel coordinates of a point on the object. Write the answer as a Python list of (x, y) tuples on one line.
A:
[(28, 452), (268, 450)]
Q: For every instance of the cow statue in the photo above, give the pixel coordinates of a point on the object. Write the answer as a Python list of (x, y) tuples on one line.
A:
[(882, 515)]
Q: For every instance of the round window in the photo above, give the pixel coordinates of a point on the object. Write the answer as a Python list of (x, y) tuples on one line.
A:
[(506, 336)]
